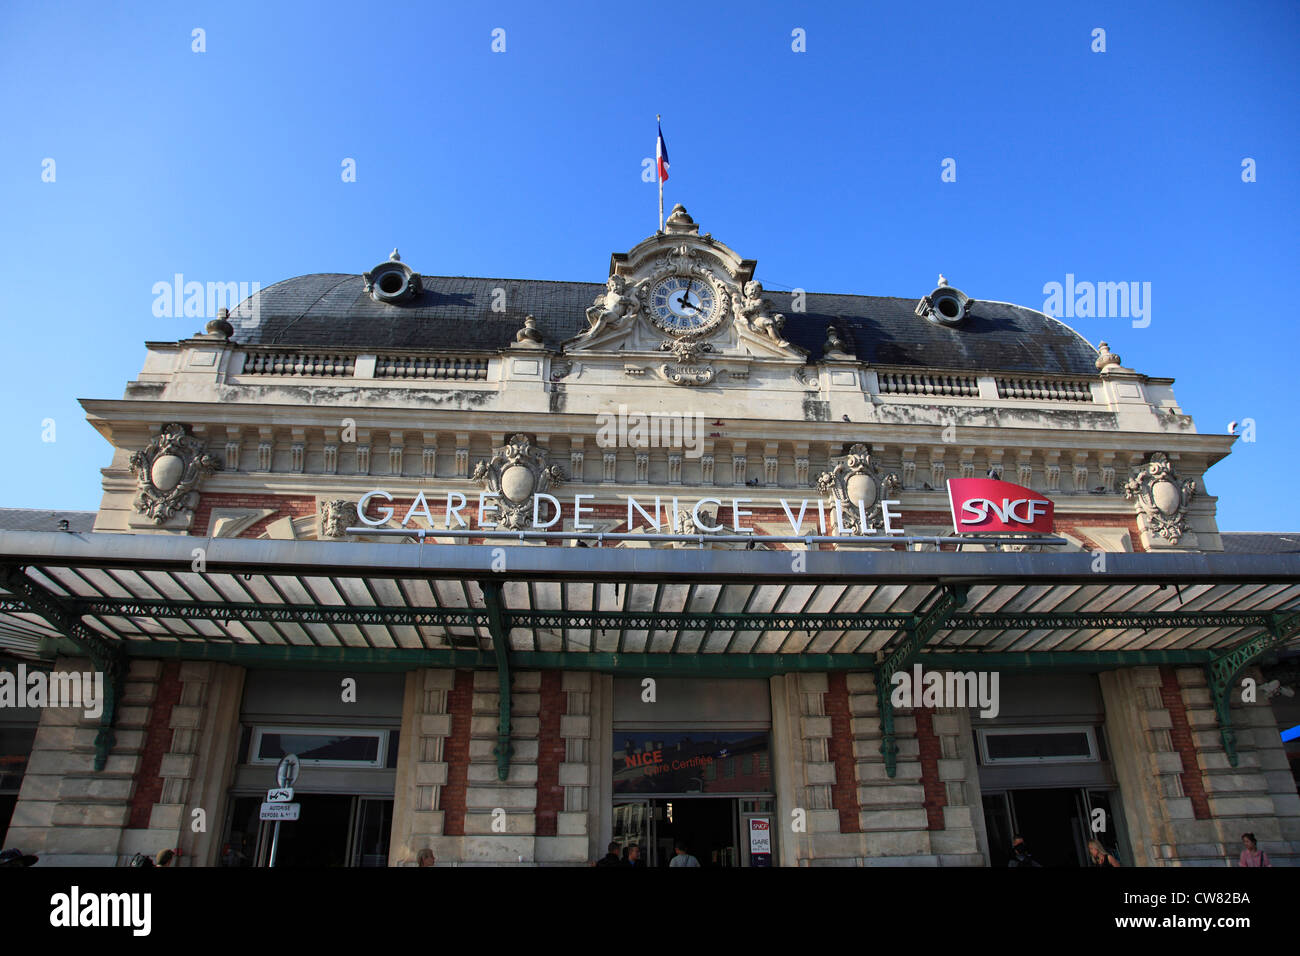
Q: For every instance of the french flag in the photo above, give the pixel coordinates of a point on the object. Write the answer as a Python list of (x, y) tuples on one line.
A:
[(661, 154)]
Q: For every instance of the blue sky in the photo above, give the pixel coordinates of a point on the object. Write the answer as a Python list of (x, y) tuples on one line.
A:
[(823, 165)]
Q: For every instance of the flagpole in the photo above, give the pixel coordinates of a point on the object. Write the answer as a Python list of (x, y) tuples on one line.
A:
[(659, 177)]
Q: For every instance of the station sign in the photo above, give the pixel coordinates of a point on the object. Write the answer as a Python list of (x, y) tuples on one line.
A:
[(982, 505), (281, 811), (760, 835)]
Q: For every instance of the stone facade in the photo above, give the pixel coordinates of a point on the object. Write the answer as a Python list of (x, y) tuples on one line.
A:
[(283, 439), (1184, 802)]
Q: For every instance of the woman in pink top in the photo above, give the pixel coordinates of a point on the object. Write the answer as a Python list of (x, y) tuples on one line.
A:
[(1252, 855)]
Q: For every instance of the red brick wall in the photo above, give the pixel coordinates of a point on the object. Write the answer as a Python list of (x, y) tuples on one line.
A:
[(936, 794), (550, 753), (844, 795), (1181, 734), (460, 704), (292, 506), (157, 741)]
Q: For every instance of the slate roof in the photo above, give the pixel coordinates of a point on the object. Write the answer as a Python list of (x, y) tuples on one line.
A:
[(1260, 542), (333, 310), (34, 519)]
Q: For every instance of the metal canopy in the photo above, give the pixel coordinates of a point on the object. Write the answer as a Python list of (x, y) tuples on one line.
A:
[(656, 610), (155, 593)]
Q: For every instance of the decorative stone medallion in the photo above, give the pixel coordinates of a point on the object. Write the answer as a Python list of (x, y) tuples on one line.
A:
[(688, 368), (169, 471), (1162, 499), (857, 485), (517, 472)]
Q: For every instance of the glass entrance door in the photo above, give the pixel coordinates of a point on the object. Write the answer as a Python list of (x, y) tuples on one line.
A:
[(1056, 823), (333, 830), (634, 824), (717, 831)]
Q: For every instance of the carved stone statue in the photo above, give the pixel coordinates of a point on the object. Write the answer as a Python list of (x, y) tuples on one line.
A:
[(756, 313), (169, 471), (336, 516), (856, 490), (610, 309), (517, 472), (1161, 498)]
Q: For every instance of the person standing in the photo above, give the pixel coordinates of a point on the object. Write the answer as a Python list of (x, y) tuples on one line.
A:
[(1020, 855), (1252, 855), (611, 858), (634, 857), (1098, 855), (683, 858), (425, 857)]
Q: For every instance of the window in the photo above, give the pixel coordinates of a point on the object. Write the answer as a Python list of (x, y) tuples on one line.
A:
[(1029, 745), (320, 746)]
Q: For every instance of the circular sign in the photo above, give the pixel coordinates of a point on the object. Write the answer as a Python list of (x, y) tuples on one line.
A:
[(287, 771)]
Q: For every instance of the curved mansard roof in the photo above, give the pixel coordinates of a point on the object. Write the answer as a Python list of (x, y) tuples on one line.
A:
[(333, 310)]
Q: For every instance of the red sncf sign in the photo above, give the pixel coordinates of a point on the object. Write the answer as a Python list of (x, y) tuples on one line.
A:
[(986, 504)]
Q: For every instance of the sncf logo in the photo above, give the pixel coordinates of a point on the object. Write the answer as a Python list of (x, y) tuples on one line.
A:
[(977, 510), (986, 504)]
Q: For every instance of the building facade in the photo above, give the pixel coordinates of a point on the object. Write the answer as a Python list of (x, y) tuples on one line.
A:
[(719, 671)]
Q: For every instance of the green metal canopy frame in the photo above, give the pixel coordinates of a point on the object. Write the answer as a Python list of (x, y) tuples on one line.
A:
[(108, 657), (84, 621), (1224, 670)]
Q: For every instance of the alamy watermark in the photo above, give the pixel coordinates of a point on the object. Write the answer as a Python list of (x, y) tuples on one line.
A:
[(204, 300), (83, 689), (683, 430), (917, 688), (1102, 300)]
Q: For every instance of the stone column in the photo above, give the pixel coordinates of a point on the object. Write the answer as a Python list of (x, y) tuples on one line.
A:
[(600, 795), (68, 813), (804, 772), (196, 766), (566, 724), (422, 769), (490, 802), (894, 822)]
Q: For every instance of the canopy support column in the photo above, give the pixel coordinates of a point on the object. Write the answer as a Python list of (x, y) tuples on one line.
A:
[(108, 657), (501, 645), (1224, 669), (918, 632)]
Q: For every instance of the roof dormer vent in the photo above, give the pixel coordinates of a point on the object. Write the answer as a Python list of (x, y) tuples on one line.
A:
[(945, 305), (393, 281)]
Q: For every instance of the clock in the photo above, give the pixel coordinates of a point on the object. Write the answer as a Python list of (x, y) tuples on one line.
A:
[(684, 305)]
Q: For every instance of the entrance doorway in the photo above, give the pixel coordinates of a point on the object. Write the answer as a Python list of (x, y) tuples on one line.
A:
[(714, 830), (331, 831), (1056, 823)]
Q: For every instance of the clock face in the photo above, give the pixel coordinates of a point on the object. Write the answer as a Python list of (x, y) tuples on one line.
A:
[(684, 305)]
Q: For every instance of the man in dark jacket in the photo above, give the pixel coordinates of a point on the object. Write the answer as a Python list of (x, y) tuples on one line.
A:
[(611, 858), (1020, 855)]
